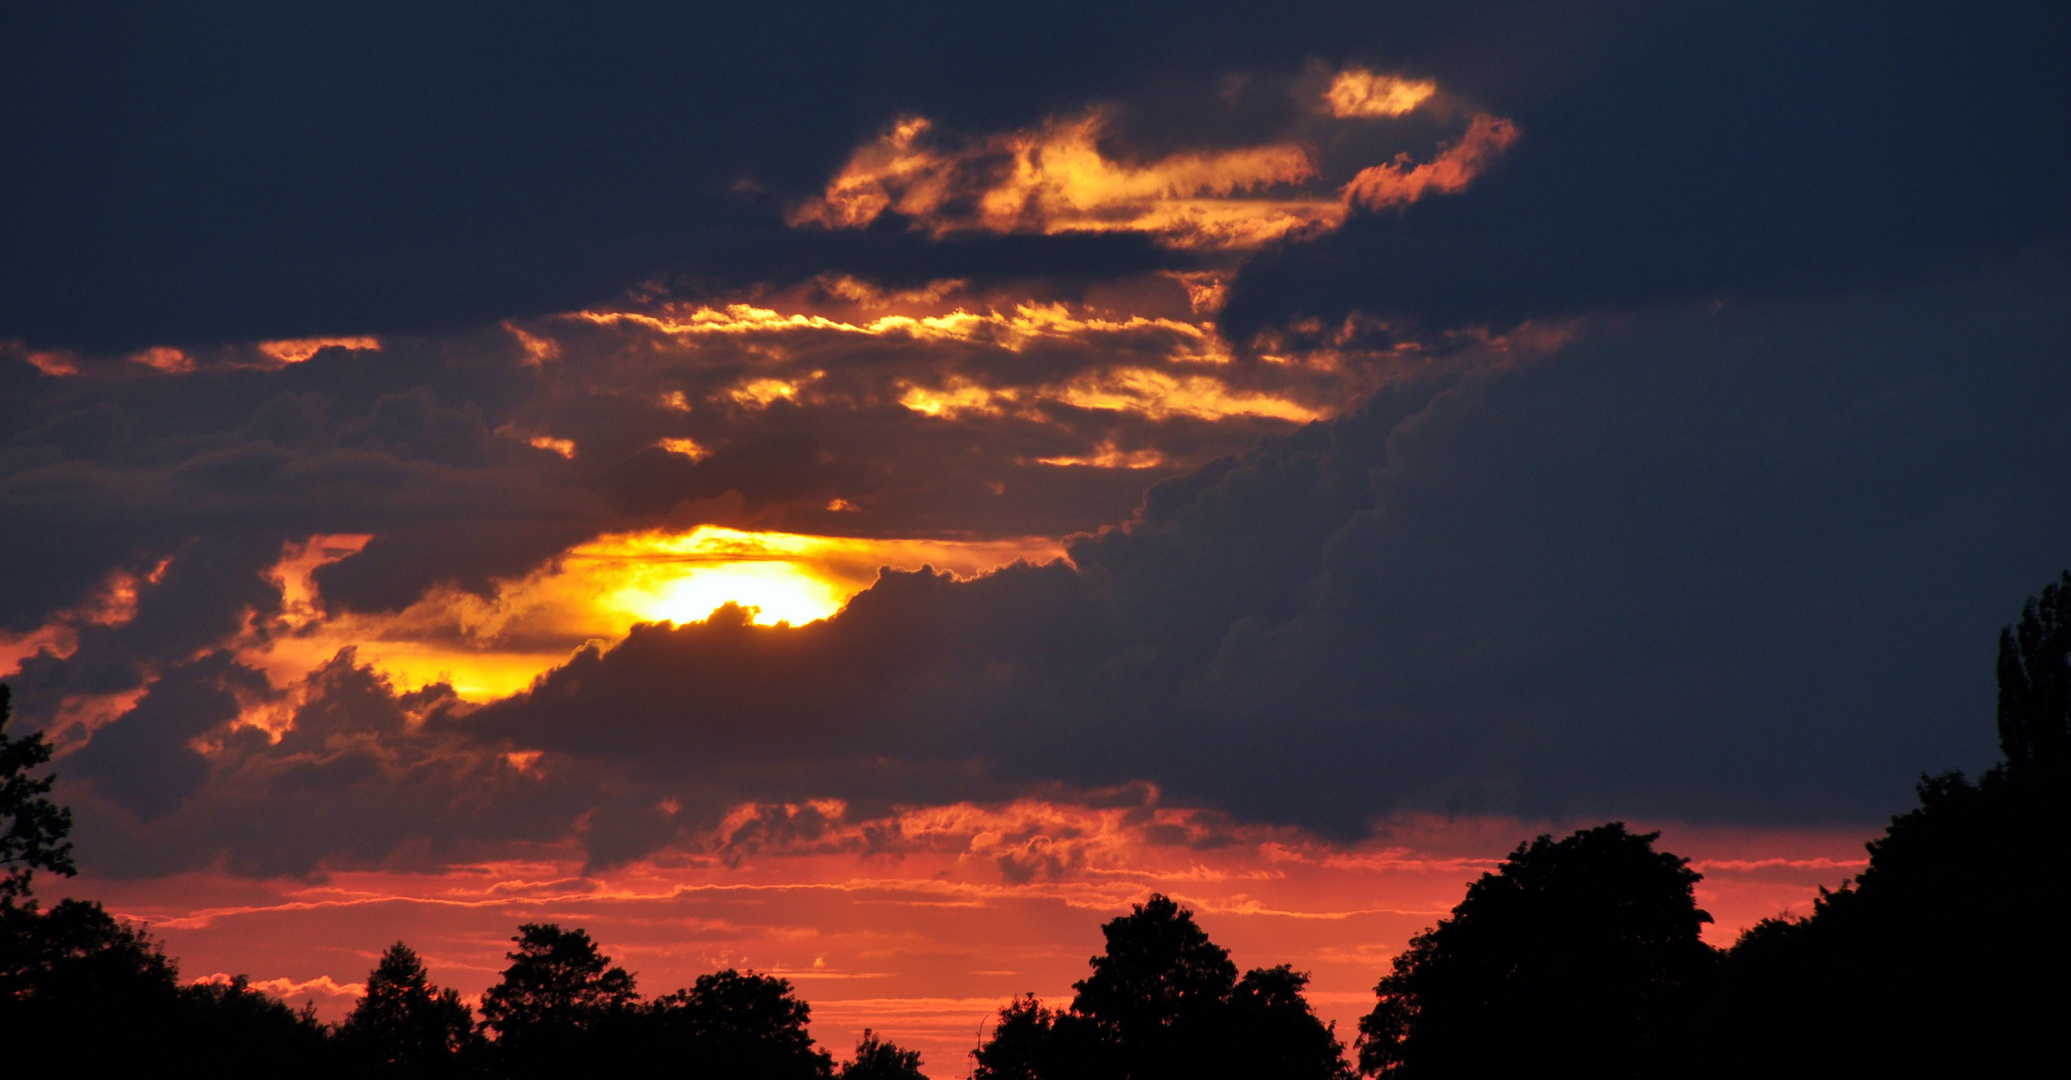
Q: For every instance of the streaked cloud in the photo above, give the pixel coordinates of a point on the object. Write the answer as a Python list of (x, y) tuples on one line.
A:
[(296, 350), (1062, 178), (1056, 179)]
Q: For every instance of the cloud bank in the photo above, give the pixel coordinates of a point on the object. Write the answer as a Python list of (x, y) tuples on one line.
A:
[(1440, 408)]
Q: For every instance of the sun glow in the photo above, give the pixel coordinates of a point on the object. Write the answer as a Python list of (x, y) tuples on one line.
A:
[(686, 578), (490, 646)]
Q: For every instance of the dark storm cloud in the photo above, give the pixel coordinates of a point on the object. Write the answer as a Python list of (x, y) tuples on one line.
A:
[(1738, 564), (475, 457), (1744, 563), (197, 467), (362, 776)]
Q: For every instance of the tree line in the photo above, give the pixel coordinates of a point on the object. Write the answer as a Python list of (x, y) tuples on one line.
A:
[(1582, 954)]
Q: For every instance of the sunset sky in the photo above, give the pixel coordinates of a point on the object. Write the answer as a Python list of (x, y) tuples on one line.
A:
[(1276, 455)]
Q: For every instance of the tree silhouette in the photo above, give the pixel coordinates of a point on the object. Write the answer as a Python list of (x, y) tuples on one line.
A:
[(1585, 950), (731, 1023), (1926, 962), (1026, 1044), (1159, 977), (75, 966), (879, 1060), (2035, 686), (558, 990), (230, 1029), (1165, 1001), (102, 998), (404, 1026), (1274, 1033), (32, 828)]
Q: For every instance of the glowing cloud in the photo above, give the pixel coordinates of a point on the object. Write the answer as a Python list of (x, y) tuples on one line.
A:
[(1109, 456), (165, 358), (1402, 181), (684, 578), (47, 361), (1357, 92), (491, 646), (296, 350), (687, 447), (1055, 179)]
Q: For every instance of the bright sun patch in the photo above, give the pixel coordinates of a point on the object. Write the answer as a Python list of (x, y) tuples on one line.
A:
[(489, 646), (686, 578)]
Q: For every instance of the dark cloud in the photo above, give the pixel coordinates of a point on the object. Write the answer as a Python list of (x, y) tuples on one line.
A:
[(361, 777), (429, 444), (145, 760), (1743, 564), (1740, 564)]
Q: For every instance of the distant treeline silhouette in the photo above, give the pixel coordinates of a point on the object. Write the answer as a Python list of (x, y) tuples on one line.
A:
[(1581, 955)]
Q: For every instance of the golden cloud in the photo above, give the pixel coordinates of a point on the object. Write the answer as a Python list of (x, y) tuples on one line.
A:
[(687, 447), (1357, 92), (491, 646), (563, 447), (1108, 456), (1057, 179)]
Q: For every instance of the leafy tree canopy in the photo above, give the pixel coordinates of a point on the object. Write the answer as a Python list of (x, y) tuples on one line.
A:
[(557, 981), (1165, 1001), (879, 1060), (1576, 950), (2035, 686), (32, 828), (1158, 970), (733, 1023), (404, 1025)]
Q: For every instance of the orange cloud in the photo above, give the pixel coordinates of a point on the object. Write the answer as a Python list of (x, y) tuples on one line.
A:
[(296, 350), (563, 447), (865, 295), (1109, 456), (1169, 367), (1357, 92), (1056, 179), (47, 361), (1402, 181), (687, 447), (165, 358)]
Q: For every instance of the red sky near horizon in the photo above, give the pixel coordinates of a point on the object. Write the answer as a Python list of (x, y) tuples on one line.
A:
[(922, 946)]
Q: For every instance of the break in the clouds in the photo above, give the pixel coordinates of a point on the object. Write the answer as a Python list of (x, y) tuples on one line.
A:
[(1268, 420)]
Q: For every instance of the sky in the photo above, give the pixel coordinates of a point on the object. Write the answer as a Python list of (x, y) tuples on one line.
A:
[(868, 492)]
